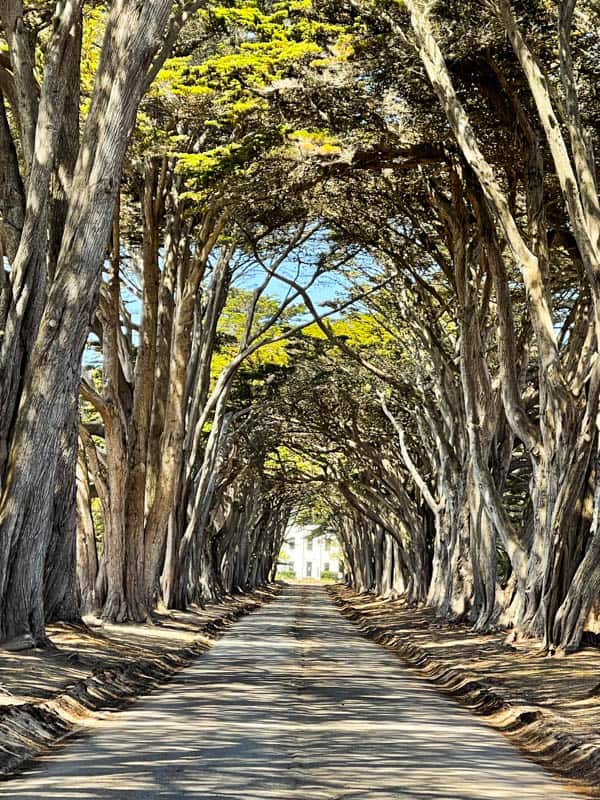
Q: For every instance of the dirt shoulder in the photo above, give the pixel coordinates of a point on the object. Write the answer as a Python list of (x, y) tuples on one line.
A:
[(47, 694), (550, 707)]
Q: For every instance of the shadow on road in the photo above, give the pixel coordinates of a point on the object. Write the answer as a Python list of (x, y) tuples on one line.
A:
[(291, 704)]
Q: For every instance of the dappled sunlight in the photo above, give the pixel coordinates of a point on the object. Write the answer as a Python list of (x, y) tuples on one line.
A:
[(32, 675), (291, 704), (565, 685)]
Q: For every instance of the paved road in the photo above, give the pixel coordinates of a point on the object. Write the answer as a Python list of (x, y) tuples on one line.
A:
[(291, 705)]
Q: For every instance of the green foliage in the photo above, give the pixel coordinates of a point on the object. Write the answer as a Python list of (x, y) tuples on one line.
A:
[(218, 94), (232, 325), (328, 575), (311, 143), (94, 24), (222, 161), (287, 574), (98, 521), (358, 330)]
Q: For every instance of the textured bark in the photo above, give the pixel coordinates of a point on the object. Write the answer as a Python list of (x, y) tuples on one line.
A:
[(166, 312), (173, 435), (144, 383), (52, 371), (12, 195), (562, 451), (21, 41), (116, 606), (205, 482), (61, 601), (41, 125)]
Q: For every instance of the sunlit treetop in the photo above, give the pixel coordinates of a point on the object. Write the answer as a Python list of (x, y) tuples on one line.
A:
[(220, 97), (358, 330)]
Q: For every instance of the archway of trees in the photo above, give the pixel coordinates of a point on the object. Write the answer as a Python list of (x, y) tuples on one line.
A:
[(267, 255)]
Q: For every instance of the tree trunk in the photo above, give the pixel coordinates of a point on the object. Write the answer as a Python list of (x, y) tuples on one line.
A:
[(60, 581), (53, 370)]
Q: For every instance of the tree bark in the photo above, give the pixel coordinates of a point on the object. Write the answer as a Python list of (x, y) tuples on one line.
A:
[(52, 372)]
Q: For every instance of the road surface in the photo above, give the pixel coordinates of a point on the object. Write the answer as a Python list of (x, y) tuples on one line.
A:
[(291, 705)]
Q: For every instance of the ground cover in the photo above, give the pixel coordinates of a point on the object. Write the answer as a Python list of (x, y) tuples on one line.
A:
[(47, 694), (547, 705)]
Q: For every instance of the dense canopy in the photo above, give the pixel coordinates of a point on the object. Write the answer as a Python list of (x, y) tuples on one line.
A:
[(335, 260)]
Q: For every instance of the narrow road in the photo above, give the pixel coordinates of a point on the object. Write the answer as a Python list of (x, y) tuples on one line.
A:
[(291, 705)]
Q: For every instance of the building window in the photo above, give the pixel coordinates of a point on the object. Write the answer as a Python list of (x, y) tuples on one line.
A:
[(292, 544), (309, 544), (326, 566), (308, 569)]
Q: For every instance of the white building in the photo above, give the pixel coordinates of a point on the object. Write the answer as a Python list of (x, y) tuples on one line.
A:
[(308, 555)]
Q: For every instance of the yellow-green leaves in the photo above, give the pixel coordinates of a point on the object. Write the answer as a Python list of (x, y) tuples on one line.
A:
[(309, 143), (358, 330), (94, 24), (216, 105)]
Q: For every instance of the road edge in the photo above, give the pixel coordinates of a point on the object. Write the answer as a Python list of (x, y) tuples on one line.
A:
[(30, 730), (538, 732)]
